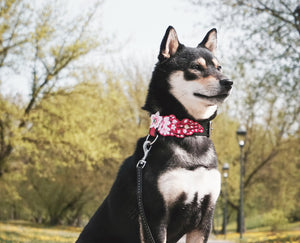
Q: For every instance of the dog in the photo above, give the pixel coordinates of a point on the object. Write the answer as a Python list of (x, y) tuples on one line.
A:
[(181, 182)]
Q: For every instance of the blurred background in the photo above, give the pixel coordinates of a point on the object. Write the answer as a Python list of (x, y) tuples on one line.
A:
[(74, 74)]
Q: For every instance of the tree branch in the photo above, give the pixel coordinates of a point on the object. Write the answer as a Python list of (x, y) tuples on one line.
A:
[(274, 13), (260, 166)]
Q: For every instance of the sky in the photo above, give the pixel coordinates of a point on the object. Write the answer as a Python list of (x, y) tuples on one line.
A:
[(145, 22), (138, 26)]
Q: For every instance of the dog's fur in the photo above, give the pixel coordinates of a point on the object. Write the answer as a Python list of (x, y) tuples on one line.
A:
[(181, 182)]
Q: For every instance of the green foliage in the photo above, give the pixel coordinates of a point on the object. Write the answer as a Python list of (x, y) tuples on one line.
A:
[(276, 219), (223, 136), (71, 148), (60, 151), (41, 44), (75, 135)]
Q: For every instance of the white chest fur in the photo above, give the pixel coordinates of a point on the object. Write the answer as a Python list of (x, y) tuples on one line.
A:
[(177, 181)]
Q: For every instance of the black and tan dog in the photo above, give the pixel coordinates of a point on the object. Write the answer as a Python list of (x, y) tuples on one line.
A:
[(181, 182)]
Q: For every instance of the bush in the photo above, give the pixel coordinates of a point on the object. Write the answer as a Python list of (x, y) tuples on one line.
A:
[(276, 219)]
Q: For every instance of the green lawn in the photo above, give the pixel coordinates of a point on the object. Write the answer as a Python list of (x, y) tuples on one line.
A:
[(21, 232), (265, 237), (291, 233)]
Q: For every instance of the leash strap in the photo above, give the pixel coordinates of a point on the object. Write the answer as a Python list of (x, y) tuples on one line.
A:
[(139, 168), (145, 227)]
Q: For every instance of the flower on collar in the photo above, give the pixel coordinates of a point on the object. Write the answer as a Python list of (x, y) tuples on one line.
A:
[(155, 120), (164, 128)]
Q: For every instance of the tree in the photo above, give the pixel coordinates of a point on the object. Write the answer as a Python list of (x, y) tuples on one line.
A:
[(42, 45), (13, 19), (69, 153), (61, 149)]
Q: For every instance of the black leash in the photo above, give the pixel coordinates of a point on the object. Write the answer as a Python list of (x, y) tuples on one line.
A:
[(139, 168)]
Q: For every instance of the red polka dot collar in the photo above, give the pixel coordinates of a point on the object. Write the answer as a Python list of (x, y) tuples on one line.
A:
[(171, 126)]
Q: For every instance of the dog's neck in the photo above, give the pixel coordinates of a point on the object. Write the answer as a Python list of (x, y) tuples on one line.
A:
[(171, 126)]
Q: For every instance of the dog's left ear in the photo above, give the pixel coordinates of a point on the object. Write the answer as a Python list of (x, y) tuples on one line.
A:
[(169, 44), (210, 41)]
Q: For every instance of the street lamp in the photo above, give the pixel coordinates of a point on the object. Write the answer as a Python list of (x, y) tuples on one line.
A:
[(241, 135), (225, 169)]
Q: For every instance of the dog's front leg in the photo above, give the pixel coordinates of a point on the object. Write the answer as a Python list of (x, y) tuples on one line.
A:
[(160, 238), (159, 233), (163, 235), (201, 233), (195, 236)]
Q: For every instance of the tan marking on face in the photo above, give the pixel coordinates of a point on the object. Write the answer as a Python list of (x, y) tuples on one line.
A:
[(183, 91), (202, 62), (207, 81), (215, 62)]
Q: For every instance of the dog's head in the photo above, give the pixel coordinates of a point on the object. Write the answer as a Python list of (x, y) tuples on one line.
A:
[(187, 80)]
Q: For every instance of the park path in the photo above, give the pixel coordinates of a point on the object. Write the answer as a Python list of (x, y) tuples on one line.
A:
[(182, 240), (219, 241)]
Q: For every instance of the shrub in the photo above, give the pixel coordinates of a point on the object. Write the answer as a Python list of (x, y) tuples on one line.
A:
[(276, 219)]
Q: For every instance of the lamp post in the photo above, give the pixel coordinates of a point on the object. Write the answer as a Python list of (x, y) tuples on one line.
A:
[(225, 169), (241, 135)]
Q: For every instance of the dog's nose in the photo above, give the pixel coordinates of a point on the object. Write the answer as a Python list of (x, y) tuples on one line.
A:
[(226, 83)]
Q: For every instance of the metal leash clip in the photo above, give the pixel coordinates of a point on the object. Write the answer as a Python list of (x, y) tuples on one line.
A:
[(146, 147)]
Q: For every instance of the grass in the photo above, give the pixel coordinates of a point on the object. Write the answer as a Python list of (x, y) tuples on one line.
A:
[(24, 232), (264, 237), (291, 234)]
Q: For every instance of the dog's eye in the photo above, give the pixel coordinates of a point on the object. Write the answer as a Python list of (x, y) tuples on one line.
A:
[(219, 68), (197, 67)]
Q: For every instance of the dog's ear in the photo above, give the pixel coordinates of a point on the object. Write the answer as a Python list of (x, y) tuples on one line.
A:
[(210, 41), (169, 44)]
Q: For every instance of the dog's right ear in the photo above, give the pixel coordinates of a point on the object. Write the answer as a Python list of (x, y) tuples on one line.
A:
[(210, 41), (169, 44)]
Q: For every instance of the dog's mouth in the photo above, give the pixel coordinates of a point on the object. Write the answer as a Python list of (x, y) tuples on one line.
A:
[(218, 97)]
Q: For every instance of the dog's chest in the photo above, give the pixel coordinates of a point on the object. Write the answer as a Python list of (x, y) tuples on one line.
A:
[(190, 184)]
